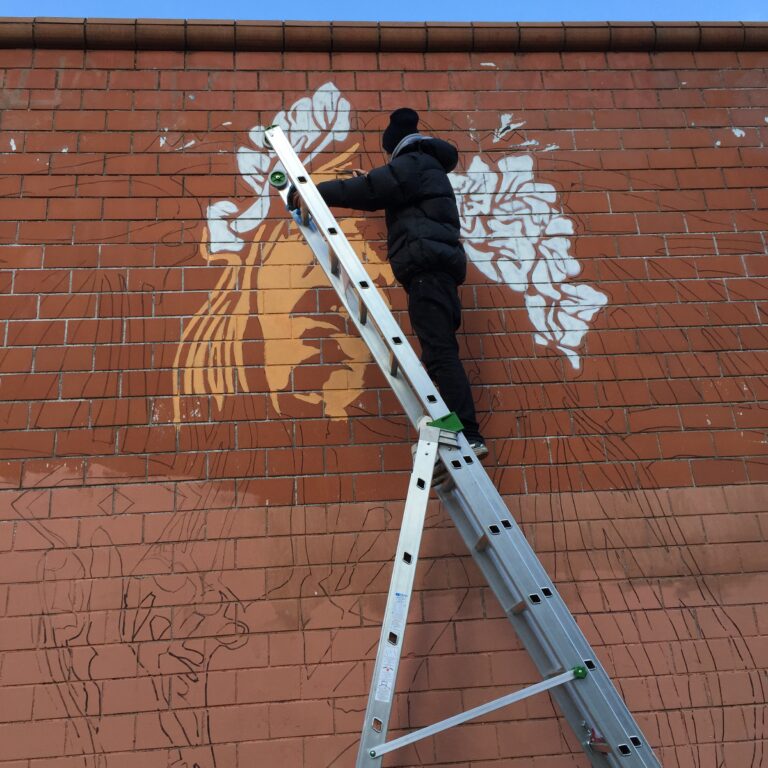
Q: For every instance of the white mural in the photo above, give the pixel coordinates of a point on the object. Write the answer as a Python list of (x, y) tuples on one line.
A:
[(311, 125), (515, 235)]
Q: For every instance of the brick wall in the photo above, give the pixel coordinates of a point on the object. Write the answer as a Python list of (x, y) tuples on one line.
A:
[(201, 474)]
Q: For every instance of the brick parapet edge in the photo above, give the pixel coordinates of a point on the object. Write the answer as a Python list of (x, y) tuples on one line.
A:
[(211, 35)]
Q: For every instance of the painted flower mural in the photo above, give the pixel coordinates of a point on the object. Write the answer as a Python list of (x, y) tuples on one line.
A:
[(514, 234), (312, 124)]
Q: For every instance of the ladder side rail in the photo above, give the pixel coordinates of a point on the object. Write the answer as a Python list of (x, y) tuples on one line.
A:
[(375, 340), (477, 521), (323, 243), (507, 593), (512, 563), (551, 620), (486, 503), (552, 631), (529, 639), (388, 654), (596, 699), (511, 557), (551, 623)]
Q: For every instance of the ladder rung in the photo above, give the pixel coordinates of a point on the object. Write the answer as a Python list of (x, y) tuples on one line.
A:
[(393, 364), (518, 607)]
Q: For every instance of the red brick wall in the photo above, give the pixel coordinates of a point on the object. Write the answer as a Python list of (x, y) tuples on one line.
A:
[(202, 477)]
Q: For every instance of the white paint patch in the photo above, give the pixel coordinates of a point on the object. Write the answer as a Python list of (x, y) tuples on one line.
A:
[(765, 119), (471, 124), (529, 143), (191, 96), (185, 146), (487, 64), (717, 143), (66, 149), (550, 147), (685, 82), (505, 126), (738, 133), (162, 141), (516, 236), (229, 122), (311, 124), (13, 145), (222, 236)]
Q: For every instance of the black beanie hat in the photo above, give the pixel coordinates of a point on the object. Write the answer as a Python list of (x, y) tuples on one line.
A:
[(402, 123)]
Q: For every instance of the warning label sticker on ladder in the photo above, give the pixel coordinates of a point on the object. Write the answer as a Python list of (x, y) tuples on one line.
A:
[(399, 612), (386, 682)]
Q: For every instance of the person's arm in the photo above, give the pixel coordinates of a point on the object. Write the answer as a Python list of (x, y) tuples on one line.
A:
[(384, 187), (389, 186)]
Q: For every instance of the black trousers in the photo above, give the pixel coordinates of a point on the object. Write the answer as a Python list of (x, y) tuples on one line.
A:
[(435, 312)]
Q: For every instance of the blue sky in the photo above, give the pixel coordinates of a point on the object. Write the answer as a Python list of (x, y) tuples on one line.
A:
[(403, 10)]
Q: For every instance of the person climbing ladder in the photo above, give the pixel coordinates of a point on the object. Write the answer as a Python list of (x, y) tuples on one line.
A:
[(424, 247)]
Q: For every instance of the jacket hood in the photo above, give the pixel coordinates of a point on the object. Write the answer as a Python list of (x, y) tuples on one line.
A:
[(446, 154)]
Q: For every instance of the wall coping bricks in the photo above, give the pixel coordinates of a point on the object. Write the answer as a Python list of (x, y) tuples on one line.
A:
[(211, 35)]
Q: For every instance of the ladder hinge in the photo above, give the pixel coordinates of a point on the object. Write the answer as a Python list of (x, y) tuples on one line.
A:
[(598, 743)]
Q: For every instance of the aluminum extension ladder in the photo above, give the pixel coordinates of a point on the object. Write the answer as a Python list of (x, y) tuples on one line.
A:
[(575, 678)]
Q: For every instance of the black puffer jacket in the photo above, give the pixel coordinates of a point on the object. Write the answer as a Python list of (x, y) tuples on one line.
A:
[(420, 207)]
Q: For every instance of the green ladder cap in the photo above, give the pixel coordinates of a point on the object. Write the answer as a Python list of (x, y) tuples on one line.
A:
[(278, 179), (450, 423), (579, 672)]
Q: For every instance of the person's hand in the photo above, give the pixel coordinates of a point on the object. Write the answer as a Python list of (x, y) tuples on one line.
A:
[(304, 212), (295, 202), (350, 172), (291, 199)]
